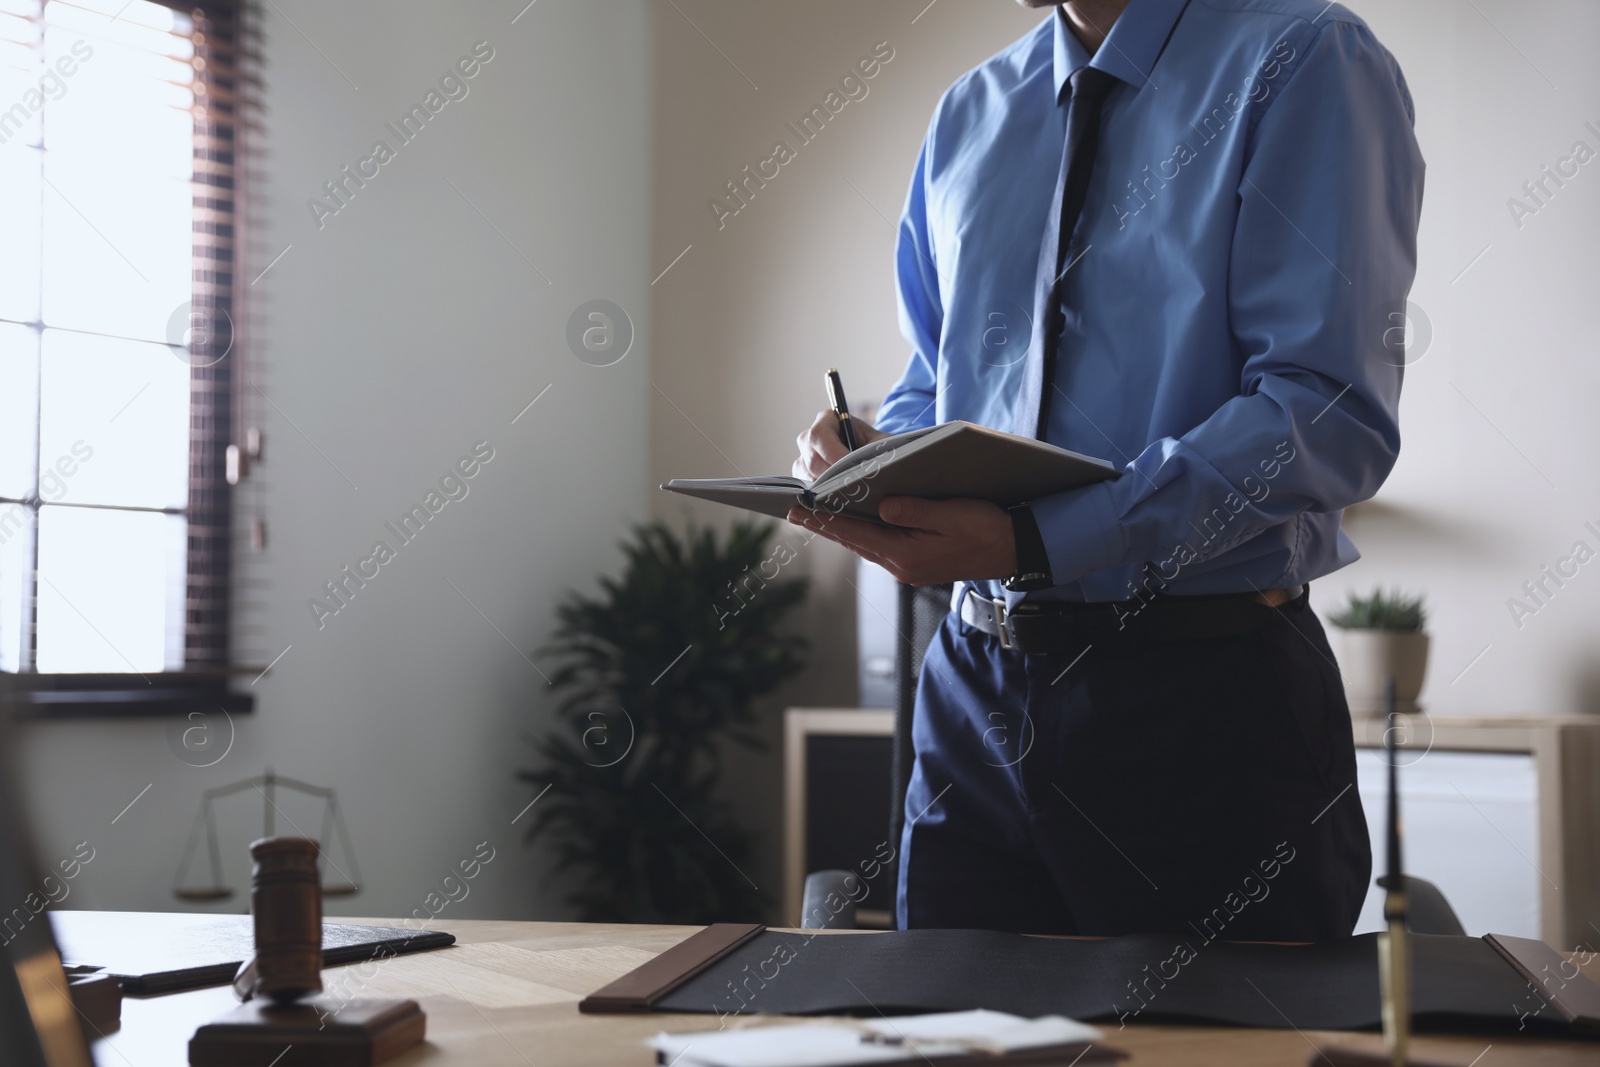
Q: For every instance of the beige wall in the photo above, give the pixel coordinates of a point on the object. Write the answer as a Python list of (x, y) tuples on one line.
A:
[(801, 279), (1499, 471)]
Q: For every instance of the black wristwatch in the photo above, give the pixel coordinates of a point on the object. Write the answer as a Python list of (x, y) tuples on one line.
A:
[(1033, 563)]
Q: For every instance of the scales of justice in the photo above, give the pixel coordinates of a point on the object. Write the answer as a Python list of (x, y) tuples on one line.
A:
[(267, 785), (282, 1004)]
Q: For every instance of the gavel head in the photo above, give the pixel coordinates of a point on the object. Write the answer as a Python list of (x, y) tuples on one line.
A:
[(286, 900)]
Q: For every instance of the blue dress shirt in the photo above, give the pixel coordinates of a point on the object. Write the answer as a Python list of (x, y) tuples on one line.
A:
[(1235, 301)]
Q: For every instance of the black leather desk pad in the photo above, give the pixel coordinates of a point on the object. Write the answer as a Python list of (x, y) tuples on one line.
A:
[(1461, 983)]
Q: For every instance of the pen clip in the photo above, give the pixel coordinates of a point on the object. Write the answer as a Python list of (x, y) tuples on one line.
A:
[(841, 409)]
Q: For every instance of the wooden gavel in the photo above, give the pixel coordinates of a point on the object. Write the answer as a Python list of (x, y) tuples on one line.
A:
[(285, 1017), (286, 900)]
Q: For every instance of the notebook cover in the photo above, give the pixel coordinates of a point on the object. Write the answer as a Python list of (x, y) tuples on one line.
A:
[(163, 952), (953, 459)]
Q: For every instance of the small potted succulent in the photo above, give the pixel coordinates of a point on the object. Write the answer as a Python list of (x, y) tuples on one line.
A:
[(1381, 636)]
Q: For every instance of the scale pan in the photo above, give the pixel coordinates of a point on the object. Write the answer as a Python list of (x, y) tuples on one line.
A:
[(220, 892)]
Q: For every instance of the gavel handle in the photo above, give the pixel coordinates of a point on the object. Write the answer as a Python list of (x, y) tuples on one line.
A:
[(244, 982)]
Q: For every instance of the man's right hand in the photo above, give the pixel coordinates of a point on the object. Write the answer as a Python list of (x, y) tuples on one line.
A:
[(821, 446)]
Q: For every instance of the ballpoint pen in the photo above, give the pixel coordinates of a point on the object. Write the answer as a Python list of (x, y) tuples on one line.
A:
[(836, 401)]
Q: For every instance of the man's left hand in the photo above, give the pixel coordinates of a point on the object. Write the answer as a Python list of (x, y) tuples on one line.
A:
[(931, 542)]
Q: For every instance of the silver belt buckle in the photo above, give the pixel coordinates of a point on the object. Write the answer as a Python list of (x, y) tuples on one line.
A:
[(999, 608)]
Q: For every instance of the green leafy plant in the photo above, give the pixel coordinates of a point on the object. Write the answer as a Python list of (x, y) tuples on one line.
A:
[(657, 673), (1379, 610)]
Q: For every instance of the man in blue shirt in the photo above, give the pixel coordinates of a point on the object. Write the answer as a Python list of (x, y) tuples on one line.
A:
[(1131, 715)]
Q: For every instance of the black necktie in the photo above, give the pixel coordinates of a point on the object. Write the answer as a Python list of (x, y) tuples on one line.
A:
[(1089, 89)]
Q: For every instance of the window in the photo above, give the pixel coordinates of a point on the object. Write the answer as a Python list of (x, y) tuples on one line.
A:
[(117, 298)]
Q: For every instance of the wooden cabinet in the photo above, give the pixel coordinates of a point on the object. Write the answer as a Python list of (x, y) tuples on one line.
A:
[(1550, 764), (836, 781)]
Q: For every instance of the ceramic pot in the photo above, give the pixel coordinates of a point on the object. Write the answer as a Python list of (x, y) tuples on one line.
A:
[(1368, 657)]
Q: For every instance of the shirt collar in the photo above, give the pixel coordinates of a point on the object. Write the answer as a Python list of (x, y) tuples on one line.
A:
[(1130, 51)]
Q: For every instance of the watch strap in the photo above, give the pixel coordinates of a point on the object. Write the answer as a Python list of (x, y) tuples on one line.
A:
[(1033, 562)]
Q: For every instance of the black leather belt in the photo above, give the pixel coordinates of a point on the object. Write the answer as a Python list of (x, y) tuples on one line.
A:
[(1054, 627)]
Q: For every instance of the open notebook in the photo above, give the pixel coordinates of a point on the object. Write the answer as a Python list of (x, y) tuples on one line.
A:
[(953, 459)]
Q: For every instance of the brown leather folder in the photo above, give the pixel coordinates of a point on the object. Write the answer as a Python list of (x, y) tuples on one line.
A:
[(1493, 983), (640, 988), (1555, 979)]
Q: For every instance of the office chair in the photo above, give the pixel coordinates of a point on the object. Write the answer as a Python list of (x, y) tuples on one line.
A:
[(919, 612), (1428, 911)]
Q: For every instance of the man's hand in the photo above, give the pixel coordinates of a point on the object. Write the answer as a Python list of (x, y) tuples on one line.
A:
[(932, 541), (821, 446)]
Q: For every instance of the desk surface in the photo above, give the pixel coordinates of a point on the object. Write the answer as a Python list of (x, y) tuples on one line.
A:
[(508, 992)]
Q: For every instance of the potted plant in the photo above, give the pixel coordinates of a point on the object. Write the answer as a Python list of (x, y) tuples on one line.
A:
[(1381, 637), (659, 672)]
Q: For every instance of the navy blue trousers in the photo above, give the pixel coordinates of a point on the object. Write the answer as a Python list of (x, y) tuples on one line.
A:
[(1203, 787)]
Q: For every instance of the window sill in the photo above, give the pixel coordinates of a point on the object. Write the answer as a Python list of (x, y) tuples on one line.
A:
[(118, 696)]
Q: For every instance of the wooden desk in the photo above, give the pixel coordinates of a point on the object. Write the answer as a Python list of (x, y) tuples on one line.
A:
[(507, 993)]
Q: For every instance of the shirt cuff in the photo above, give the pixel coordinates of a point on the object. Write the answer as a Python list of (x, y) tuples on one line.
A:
[(1081, 531)]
